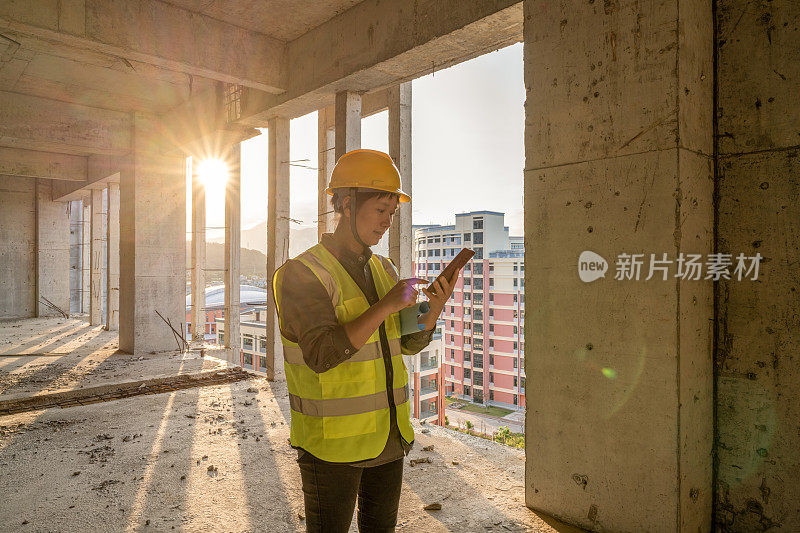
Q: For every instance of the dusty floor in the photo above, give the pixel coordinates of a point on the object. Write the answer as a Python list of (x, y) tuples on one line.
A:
[(212, 458)]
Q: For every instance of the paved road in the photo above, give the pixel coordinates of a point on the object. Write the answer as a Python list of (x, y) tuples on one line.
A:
[(483, 423)]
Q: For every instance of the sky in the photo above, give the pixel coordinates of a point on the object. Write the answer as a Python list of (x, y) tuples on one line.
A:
[(467, 149)]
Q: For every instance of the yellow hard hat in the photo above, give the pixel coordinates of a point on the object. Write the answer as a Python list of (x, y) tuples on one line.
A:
[(367, 169)]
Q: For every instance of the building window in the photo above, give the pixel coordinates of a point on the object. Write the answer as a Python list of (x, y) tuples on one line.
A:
[(491, 394), (491, 377), (477, 223), (478, 285), (491, 360), (221, 337), (467, 373), (515, 381), (522, 382), (515, 298), (515, 362), (467, 356), (477, 378), (233, 101), (491, 268), (515, 345), (516, 283), (262, 361), (478, 270), (248, 359), (477, 298), (477, 238), (515, 399), (491, 343), (491, 300), (247, 344), (468, 267), (478, 253), (477, 360), (515, 267), (452, 371), (467, 237), (466, 390), (516, 330), (491, 311)]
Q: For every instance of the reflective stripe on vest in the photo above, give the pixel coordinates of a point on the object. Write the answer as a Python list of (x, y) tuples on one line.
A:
[(343, 414), (347, 406), (294, 355)]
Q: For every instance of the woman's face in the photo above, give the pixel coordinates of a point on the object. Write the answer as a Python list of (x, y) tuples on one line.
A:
[(374, 217)]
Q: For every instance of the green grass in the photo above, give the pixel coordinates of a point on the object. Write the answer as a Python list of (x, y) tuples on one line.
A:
[(478, 409)]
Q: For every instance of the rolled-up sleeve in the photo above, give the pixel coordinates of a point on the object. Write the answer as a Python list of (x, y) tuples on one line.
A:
[(414, 343), (309, 319)]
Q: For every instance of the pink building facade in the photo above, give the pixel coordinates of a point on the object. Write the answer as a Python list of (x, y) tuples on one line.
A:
[(482, 324)]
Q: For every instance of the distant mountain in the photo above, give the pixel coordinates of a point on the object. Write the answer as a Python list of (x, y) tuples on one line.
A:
[(300, 239), (252, 262), (255, 239)]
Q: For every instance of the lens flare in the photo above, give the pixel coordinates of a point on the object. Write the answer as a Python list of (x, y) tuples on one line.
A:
[(212, 172)]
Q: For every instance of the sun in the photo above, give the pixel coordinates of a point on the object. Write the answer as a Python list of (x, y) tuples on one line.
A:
[(212, 172)]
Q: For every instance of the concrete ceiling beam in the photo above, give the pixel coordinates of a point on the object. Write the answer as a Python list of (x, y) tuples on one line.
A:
[(33, 164), (152, 32), (376, 44), (101, 170), (34, 123)]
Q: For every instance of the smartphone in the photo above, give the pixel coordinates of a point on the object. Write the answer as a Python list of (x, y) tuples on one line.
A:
[(456, 264)]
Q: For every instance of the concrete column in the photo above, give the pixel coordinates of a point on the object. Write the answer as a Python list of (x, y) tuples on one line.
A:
[(152, 242), (277, 226), (758, 326), (52, 258), (86, 248), (112, 258), (233, 239), (618, 160), (75, 256), (348, 122), (326, 142), (198, 273), (401, 239), (96, 254)]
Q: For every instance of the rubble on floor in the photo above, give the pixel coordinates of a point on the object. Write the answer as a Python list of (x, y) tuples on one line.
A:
[(197, 458)]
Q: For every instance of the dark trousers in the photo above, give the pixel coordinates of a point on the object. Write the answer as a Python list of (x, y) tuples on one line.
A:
[(330, 492)]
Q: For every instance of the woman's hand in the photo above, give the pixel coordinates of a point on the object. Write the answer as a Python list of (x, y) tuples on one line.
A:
[(442, 290), (402, 295)]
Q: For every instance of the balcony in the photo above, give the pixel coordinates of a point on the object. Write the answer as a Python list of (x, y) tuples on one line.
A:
[(428, 414), (428, 364), (424, 391)]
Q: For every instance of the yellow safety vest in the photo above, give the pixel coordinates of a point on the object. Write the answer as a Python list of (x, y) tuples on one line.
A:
[(342, 414)]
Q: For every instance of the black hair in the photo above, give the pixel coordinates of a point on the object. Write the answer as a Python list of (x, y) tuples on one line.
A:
[(337, 200)]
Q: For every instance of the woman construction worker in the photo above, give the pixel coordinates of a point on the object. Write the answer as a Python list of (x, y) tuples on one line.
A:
[(338, 308)]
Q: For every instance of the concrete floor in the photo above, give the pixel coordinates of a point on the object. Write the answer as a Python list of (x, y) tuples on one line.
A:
[(212, 458)]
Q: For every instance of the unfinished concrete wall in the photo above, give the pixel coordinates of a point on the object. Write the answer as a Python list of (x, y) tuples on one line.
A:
[(53, 239), (618, 139), (17, 247), (758, 377), (152, 243)]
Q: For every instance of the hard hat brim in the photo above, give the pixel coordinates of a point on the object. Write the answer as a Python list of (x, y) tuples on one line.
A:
[(402, 197)]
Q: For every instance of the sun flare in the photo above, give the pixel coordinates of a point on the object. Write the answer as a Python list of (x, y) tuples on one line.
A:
[(212, 172)]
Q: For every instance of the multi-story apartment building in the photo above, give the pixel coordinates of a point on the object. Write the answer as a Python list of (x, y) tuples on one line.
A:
[(482, 323)]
